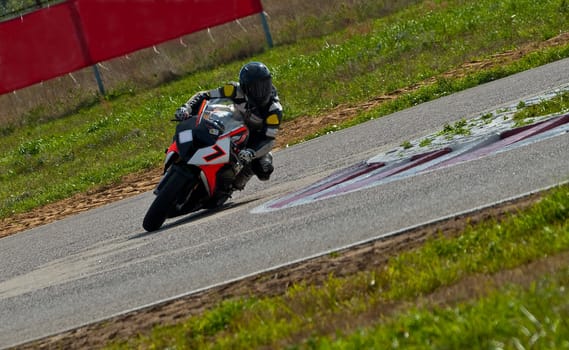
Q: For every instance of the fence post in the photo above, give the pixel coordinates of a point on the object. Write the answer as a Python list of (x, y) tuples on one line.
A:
[(99, 80), (84, 46), (266, 29)]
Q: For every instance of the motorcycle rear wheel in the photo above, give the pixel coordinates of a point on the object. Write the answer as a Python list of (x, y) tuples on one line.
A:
[(165, 201)]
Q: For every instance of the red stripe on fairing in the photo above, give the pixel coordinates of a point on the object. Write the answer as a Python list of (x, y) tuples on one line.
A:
[(199, 116), (173, 148), (242, 132), (237, 131), (210, 172)]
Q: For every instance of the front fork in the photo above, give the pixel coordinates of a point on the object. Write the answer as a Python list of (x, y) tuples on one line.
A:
[(171, 157), (184, 196)]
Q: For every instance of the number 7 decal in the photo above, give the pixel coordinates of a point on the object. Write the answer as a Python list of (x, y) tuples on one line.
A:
[(219, 152)]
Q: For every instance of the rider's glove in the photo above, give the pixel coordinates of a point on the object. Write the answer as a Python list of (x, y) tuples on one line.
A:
[(196, 100), (182, 113), (246, 155)]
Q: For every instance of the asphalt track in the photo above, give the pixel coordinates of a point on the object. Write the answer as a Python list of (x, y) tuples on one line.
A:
[(101, 263)]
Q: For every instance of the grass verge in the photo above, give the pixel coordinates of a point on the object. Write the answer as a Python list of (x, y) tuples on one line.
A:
[(381, 308)]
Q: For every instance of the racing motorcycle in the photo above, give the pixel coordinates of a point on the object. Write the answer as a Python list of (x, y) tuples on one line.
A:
[(200, 164)]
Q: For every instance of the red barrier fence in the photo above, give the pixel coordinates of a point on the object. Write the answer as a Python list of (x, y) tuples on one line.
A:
[(79, 33)]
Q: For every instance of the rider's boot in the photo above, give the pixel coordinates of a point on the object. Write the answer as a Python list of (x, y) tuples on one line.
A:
[(263, 167)]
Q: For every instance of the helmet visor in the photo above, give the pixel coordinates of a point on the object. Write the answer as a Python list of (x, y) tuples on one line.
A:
[(260, 91)]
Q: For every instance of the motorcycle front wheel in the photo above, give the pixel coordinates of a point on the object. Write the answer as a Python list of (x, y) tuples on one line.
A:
[(165, 201)]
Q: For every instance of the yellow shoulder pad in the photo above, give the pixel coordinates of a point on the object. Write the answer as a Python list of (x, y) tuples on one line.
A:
[(273, 119), (228, 90)]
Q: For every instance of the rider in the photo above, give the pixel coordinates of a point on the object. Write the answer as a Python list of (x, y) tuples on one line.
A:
[(256, 97)]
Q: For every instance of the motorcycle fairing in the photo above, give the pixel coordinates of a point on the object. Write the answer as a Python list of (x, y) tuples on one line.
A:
[(216, 154), (210, 160), (184, 139), (208, 176), (239, 136), (202, 157)]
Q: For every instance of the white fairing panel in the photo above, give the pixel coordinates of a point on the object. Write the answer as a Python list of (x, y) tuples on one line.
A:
[(185, 136), (216, 154)]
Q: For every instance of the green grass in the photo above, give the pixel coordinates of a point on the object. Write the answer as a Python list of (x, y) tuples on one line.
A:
[(512, 318), (459, 128), (349, 312), (557, 105)]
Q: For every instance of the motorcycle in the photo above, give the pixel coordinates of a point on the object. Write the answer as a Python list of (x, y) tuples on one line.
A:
[(200, 164)]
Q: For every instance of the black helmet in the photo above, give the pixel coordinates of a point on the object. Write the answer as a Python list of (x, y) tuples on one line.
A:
[(256, 82)]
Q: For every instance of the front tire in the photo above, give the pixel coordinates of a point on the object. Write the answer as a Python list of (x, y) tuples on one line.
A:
[(165, 201)]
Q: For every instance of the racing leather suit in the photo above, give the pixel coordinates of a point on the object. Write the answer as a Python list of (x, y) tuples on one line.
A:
[(263, 123)]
